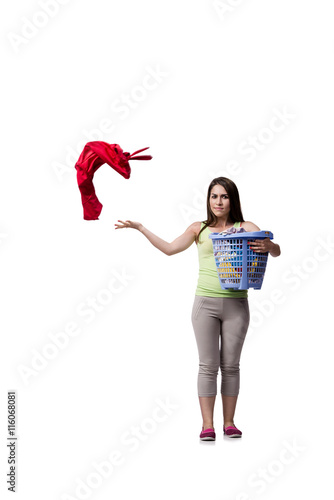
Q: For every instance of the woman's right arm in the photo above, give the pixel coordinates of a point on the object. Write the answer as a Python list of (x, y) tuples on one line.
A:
[(178, 245)]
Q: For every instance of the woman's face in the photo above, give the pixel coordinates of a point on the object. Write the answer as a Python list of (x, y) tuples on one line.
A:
[(219, 201)]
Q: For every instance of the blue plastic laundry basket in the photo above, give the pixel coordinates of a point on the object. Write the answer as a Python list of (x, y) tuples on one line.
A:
[(238, 267)]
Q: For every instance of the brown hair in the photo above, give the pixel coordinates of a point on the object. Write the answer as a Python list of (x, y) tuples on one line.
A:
[(235, 214)]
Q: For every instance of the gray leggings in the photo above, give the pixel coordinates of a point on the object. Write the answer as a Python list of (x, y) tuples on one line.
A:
[(225, 319)]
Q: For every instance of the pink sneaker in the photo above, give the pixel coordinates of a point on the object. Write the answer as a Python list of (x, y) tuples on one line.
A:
[(232, 431), (207, 435)]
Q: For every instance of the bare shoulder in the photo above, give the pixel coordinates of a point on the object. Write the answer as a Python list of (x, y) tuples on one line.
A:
[(195, 227), (250, 226)]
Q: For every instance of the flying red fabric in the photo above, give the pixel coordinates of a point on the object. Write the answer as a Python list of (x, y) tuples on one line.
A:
[(93, 155)]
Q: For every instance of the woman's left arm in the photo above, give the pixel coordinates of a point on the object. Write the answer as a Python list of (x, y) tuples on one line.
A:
[(262, 246)]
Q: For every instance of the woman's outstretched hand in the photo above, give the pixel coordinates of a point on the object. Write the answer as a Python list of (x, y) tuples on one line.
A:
[(128, 223)]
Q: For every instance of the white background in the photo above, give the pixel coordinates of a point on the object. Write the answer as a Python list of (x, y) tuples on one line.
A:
[(223, 76)]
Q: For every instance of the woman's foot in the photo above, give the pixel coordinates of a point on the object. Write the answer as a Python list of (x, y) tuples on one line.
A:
[(208, 434), (231, 430)]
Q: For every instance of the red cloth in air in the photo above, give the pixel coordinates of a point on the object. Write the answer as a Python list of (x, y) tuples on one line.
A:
[(94, 155)]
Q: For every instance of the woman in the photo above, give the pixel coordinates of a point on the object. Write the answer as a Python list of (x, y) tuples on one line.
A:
[(218, 316)]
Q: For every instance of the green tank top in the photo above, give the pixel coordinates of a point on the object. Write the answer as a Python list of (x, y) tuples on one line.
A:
[(208, 282)]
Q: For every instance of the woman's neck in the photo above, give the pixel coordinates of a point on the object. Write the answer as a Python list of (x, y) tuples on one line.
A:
[(223, 223)]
